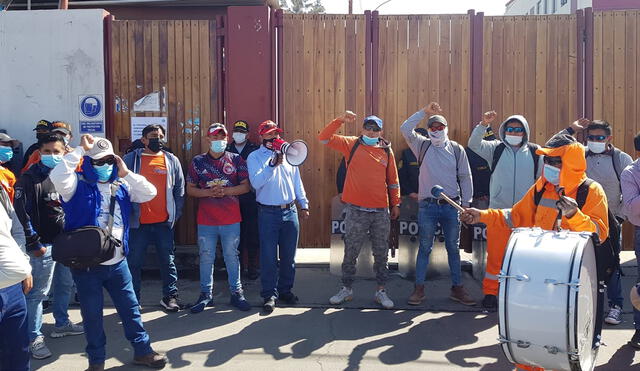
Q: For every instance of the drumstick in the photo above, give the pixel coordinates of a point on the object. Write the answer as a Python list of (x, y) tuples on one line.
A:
[(438, 192)]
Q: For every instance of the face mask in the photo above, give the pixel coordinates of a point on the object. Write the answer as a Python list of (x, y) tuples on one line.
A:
[(51, 161), (551, 174), (155, 145), (597, 147), (6, 154), (438, 138), (268, 142), (513, 140), (104, 172), (218, 146), (370, 141), (239, 137)]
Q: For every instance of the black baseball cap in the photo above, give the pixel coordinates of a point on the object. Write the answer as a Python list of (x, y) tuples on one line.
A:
[(241, 126), (43, 125)]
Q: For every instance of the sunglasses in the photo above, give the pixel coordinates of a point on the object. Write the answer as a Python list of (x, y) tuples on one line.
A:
[(514, 130), (373, 127), (552, 160), (437, 128), (596, 137), (103, 161)]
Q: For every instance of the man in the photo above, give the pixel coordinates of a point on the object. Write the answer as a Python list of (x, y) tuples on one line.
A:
[(216, 178), (605, 164), (278, 186), (444, 163), (38, 206), (43, 127), (371, 189), (514, 168), (15, 282), (7, 177), (86, 197), (630, 183), (60, 128), (249, 242), (564, 172), (152, 222)]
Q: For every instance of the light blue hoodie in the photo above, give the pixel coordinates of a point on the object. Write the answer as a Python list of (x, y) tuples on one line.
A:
[(513, 175)]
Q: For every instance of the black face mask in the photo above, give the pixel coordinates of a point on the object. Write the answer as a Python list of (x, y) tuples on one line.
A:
[(155, 145), (39, 136), (268, 143)]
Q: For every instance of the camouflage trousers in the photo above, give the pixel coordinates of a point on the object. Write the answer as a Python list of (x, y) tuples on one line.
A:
[(360, 227)]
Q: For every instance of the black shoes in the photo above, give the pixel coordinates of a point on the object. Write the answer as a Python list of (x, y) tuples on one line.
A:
[(490, 302), (288, 298), (269, 304), (170, 303)]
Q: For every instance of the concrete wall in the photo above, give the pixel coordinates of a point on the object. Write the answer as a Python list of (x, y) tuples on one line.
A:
[(48, 59)]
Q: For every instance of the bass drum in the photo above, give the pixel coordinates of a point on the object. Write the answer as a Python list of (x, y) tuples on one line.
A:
[(549, 300)]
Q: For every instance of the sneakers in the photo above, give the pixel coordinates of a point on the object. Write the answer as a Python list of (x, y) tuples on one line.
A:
[(383, 299), (205, 300), (345, 294), (613, 318), (269, 304), (635, 340), (417, 296), (39, 349), (69, 329), (238, 301), (152, 360), (96, 367), (490, 302), (459, 294), (288, 298), (170, 303)]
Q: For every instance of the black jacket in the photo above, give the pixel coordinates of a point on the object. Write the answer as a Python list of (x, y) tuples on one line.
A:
[(249, 197), (408, 172), (38, 207)]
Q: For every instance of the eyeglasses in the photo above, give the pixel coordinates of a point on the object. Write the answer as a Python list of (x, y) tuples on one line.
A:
[(437, 128), (103, 161), (552, 160), (373, 127), (596, 137), (514, 130)]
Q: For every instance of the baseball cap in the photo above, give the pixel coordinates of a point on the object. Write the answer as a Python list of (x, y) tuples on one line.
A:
[(42, 125), (101, 148), (377, 120), (437, 118), (241, 126), (62, 130), (267, 127), (6, 138), (215, 128)]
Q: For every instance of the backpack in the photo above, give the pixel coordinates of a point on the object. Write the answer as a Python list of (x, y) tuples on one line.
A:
[(501, 147), (615, 159), (341, 176), (457, 149), (607, 251)]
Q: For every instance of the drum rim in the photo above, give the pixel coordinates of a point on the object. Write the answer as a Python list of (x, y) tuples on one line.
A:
[(506, 347)]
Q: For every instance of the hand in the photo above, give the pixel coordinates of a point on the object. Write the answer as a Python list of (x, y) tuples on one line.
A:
[(432, 108), (413, 195), (217, 191), (122, 167), (395, 212), (86, 142), (348, 117), (580, 124), (489, 117), (568, 206), (27, 284), (470, 216), (39, 252), (278, 160), (305, 214)]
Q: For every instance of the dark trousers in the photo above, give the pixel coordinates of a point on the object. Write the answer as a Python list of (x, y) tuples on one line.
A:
[(249, 235), (14, 335)]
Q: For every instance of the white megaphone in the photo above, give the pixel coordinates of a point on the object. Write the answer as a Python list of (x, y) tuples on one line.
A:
[(295, 152)]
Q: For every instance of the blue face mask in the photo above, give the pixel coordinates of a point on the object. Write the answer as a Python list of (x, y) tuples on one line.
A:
[(218, 146), (370, 141), (551, 174), (51, 161), (6, 154), (104, 172)]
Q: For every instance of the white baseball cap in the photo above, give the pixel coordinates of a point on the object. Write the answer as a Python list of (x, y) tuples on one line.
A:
[(101, 148)]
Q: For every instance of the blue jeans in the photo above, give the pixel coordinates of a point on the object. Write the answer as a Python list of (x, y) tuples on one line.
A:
[(429, 215), (160, 235), (636, 313), (207, 243), (42, 269), (278, 229), (62, 287), (14, 335), (116, 279)]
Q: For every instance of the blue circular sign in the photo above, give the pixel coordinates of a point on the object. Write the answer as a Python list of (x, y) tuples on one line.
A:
[(90, 106)]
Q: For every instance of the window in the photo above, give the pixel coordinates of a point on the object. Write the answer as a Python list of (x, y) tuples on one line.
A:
[(563, 2), (538, 8)]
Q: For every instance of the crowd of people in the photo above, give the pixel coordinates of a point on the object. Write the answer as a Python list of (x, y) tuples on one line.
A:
[(250, 200)]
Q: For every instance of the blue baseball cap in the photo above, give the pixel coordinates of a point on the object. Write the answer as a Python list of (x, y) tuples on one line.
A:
[(376, 119)]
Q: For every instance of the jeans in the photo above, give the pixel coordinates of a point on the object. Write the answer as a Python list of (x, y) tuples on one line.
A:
[(636, 313), (429, 215), (161, 236), (14, 335), (42, 269), (207, 243), (279, 230), (62, 287), (116, 279)]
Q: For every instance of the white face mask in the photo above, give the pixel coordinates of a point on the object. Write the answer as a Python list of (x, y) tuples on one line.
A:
[(597, 147), (239, 138), (439, 138), (513, 140)]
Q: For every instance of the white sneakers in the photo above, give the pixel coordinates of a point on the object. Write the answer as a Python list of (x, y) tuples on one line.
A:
[(346, 294), (613, 318), (39, 349)]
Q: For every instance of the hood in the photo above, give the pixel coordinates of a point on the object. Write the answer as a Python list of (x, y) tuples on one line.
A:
[(89, 174), (522, 120), (574, 164)]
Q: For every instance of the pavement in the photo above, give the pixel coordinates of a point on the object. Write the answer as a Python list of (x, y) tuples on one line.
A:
[(439, 335)]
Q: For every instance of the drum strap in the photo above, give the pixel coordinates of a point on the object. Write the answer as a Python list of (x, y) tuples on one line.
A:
[(581, 194)]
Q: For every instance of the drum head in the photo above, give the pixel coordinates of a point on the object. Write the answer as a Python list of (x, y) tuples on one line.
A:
[(586, 299)]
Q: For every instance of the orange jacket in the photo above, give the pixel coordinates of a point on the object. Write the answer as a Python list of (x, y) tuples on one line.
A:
[(592, 217), (7, 181), (372, 177)]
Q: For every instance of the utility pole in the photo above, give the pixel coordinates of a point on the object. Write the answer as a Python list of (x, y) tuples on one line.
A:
[(350, 6)]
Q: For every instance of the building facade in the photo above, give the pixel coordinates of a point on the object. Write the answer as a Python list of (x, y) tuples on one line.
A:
[(541, 7)]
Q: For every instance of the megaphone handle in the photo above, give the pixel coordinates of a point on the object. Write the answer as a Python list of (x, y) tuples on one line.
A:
[(274, 160), (452, 203)]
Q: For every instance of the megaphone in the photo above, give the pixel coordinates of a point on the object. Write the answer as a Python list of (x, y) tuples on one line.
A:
[(295, 152)]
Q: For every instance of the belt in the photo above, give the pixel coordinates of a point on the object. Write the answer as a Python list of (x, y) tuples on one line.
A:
[(439, 201), (285, 206)]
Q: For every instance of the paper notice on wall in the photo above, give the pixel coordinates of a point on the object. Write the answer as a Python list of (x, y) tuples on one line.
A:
[(148, 103), (139, 123)]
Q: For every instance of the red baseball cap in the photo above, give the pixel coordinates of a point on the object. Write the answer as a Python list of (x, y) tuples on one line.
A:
[(216, 128), (267, 127)]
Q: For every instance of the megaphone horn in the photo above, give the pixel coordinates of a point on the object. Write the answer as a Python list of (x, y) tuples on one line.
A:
[(295, 152)]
